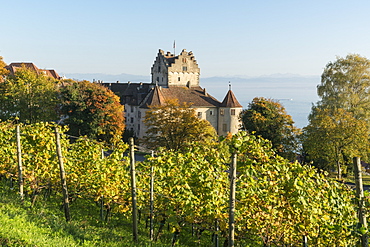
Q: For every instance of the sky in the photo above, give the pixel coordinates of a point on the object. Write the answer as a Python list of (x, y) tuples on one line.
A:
[(228, 38)]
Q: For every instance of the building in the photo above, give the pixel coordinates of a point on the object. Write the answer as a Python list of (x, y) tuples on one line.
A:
[(13, 67), (176, 77)]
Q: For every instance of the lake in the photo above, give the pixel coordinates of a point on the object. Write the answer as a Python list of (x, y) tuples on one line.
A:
[(296, 93)]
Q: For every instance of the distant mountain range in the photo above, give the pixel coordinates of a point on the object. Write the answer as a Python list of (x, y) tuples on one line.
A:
[(123, 77), (107, 77)]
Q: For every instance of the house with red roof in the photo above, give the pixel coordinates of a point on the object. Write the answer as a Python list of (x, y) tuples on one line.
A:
[(176, 77), (13, 67)]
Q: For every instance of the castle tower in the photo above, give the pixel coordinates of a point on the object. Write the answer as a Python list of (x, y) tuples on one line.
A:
[(229, 112), (170, 70)]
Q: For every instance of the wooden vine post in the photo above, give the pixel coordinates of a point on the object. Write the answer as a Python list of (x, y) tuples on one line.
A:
[(151, 233), (62, 176), (232, 200), (102, 197), (133, 189), (20, 167), (360, 197), (215, 239)]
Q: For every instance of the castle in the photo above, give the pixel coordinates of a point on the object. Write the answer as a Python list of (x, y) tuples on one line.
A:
[(176, 77)]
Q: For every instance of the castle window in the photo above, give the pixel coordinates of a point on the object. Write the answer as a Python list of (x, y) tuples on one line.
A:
[(159, 69), (178, 78), (138, 127), (184, 60), (224, 127), (211, 112), (233, 112), (222, 112), (199, 114), (139, 114), (132, 120), (184, 68)]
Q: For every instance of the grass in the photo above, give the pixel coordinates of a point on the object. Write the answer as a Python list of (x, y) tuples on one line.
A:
[(365, 179), (350, 178), (45, 225)]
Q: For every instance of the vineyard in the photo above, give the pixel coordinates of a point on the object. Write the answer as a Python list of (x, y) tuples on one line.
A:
[(278, 203)]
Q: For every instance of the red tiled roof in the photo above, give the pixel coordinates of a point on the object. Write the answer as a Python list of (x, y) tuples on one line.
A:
[(230, 100), (155, 97), (13, 67), (194, 95)]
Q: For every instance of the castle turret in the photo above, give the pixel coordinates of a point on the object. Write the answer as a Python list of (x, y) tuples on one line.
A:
[(229, 112)]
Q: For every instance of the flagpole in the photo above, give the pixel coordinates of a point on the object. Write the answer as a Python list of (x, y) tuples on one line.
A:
[(174, 48)]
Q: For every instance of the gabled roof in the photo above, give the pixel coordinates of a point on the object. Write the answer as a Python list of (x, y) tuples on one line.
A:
[(230, 100), (13, 67), (51, 73), (194, 95), (171, 59), (130, 93)]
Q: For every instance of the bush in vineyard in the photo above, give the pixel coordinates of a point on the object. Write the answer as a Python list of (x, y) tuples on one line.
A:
[(8, 149), (278, 202), (190, 187), (94, 177), (89, 175), (40, 167)]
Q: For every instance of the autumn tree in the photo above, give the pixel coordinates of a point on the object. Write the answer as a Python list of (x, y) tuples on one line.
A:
[(345, 83), (268, 118), (336, 130), (3, 70), (333, 137), (174, 125), (91, 110), (30, 96)]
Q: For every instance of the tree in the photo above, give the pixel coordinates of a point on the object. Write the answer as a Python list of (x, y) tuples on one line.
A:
[(174, 125), (30, 96), (333, 137), (336, 130), (3, 70), (268, 118), (92, 110), (345, 83)]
